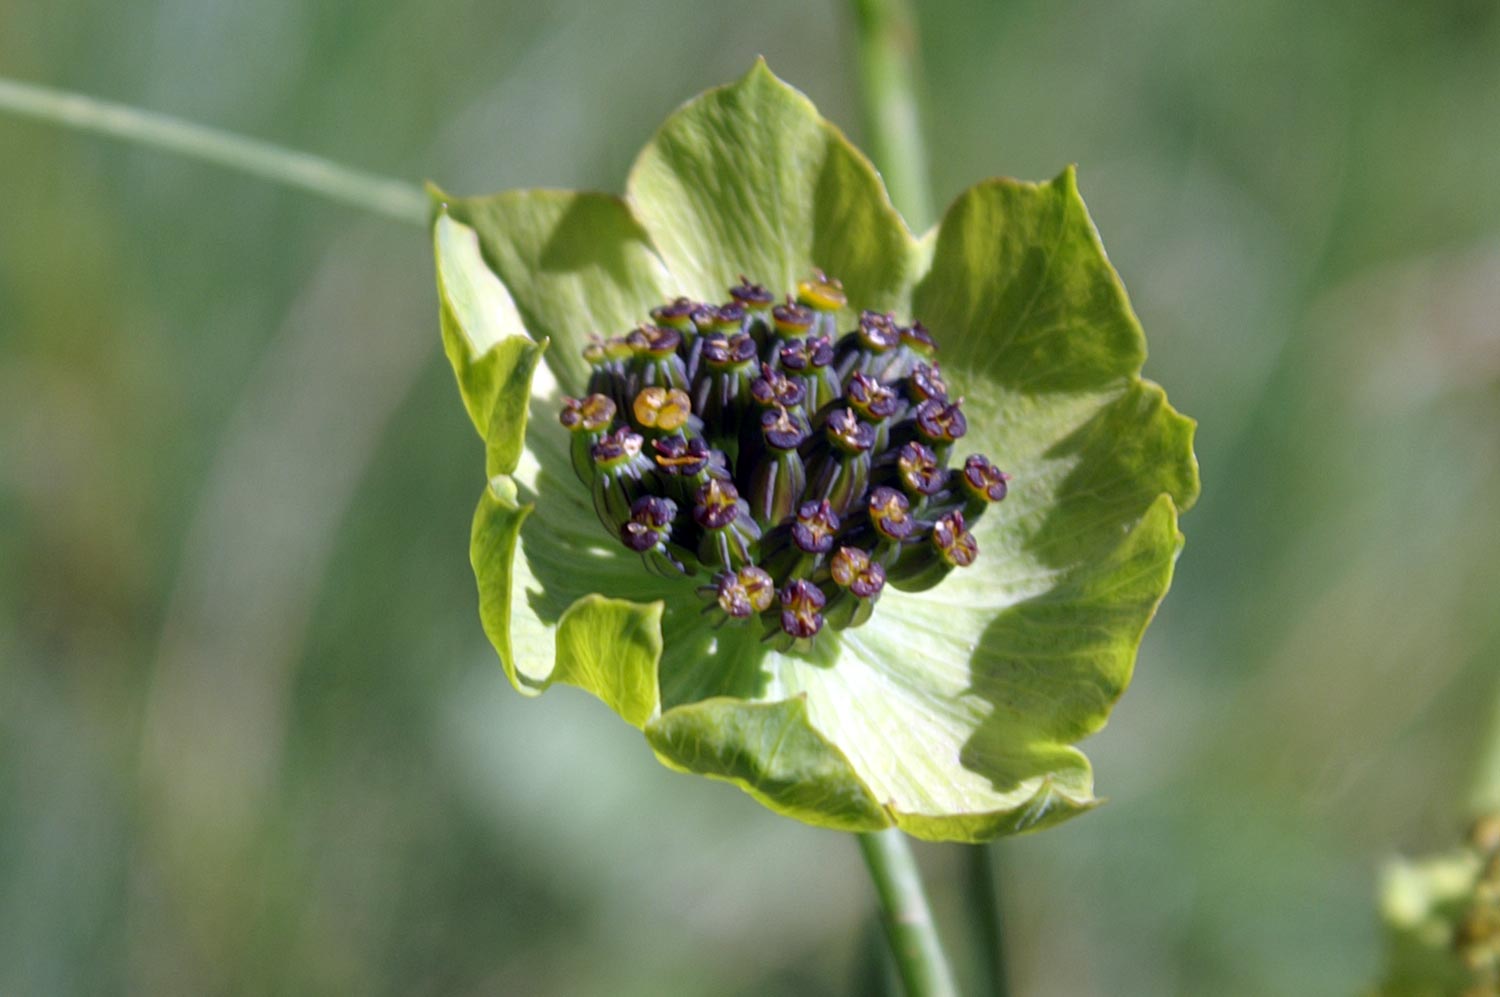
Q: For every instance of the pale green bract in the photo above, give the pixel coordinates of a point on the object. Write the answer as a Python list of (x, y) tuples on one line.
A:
[(953, 712)]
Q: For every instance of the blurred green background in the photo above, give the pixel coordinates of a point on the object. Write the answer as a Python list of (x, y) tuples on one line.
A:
[(252, 738)]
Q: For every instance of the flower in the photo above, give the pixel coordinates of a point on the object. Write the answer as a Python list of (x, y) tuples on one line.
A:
[(1442, 918), (643, 538)]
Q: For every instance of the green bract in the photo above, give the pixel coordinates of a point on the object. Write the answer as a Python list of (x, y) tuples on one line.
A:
[(951, 712)]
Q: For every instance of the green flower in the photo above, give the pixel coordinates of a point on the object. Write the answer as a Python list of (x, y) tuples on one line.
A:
[(945, 699), (1442, 920)]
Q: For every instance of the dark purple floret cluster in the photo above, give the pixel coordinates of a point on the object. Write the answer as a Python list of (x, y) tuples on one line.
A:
[(798, 469)]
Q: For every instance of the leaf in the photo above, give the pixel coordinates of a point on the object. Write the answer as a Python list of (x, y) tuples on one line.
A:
[(771, 751), (749, 179), (609, 647), (1020, 291), (491, 357), (575, 264)]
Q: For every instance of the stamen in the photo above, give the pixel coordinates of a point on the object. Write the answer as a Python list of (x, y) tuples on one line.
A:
[(677, 315), (722, 353), (800, 605), (791, 320), (815, 527), (773, 388), (926, 382), (782, 430), (616, 448), (809, 360), (650, 523), (680, 457), (658, 341), (848, 433), (878, 331), (954, 541), (921, 474), (891, 514), (593, 414), (753, 297), (853, 569), (662, 409), (871, 399), (725, 319), (744, 593), (984, 480), (822, 293), (916, 338), (940, 423), (715, 505)]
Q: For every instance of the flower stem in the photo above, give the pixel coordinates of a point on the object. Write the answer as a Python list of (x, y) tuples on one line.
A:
[(909, 926), (380, 195), (1485, 795), (986, 924), (887, 41), (888, 82)]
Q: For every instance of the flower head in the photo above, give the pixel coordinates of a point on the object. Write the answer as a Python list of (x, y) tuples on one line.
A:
[(745, 436)]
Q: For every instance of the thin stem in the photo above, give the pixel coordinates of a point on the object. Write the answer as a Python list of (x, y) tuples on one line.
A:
[(985, 921), (887, 36), (381, 195), (909, 926), (888, 77), (1485, 796)]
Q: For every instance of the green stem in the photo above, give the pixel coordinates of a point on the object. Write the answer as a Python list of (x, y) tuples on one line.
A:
[(909, 926), (887, 41), (985, 921), (1485, 797), (888, 77), (381, 195)]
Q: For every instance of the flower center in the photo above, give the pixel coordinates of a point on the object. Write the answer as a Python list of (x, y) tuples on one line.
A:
[(800, 469)]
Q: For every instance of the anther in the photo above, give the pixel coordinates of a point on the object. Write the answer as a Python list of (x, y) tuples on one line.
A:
[(939, 424), (679, 457), (878, 331), (984, 483), (871, 399), (791, 320), (650, 523), (782, 430), (890, 514), (773, 388), (916, 338), (953, 540), (753, 297), (616, 448), (926, 382), (677, 315), (815, 527), (725, 319), (801, 602), (714, 505), (809, 361), (744, 593), (848, 433), (663, 409), (920, 473), (593, 414), (822, 293), (852, 569)]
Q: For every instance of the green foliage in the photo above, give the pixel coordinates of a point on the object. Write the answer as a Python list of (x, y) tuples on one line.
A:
[(952, 714)]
